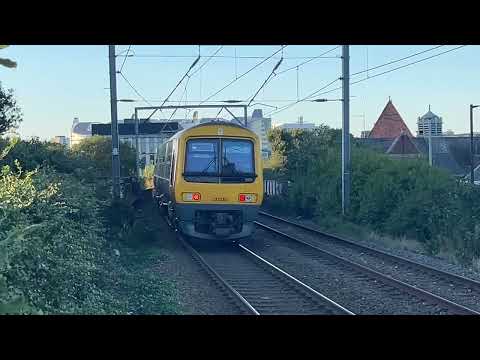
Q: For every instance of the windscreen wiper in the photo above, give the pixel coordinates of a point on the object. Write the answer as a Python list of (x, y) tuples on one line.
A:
[(204, 171)]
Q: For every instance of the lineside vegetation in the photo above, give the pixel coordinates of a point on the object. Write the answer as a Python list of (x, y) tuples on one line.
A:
[(63, 248), (399, 198)]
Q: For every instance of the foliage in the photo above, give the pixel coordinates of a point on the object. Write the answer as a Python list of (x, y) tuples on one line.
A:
[(10, 113), (55, 256), (395, 197), (7, 62), (98, 150)]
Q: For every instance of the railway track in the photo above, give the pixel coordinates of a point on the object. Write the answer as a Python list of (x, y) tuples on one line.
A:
[(417, 280), (259, 287)]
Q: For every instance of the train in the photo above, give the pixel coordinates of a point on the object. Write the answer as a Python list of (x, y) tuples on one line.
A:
[(208, 181)]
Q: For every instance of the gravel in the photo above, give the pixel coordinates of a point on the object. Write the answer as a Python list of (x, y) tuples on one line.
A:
[(264, 288), (196, 292), (433, 261), (354, 291), (444, 287)]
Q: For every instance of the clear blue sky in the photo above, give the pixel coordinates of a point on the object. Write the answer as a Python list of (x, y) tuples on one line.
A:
[(54, 84)]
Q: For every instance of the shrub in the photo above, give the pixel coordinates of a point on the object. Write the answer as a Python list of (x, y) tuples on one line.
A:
[(54, 253), (396, 197)]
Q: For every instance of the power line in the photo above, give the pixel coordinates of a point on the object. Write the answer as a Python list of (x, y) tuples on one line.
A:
[(133, 88), (232, 57), (317, 92), (310, 59), (266, 81), (303, 99), (291, 68), (245, 73), (213, 101), (206, 61), (412, 63), (180, 101), (176, 86), (394, 61), (125, 59)]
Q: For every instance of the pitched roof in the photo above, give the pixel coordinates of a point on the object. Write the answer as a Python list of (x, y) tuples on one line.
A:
[(403, 145), (390, 124)]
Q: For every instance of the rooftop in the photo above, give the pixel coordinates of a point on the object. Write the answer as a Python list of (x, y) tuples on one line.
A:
[(390, 124)]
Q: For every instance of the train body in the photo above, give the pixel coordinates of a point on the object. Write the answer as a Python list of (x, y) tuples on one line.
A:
[(209, 181)]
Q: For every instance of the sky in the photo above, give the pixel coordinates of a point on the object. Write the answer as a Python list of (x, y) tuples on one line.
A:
[(54, 84)]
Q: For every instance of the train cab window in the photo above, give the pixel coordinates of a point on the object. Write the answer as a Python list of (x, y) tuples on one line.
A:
[(237, 157), (202, 157), (235, 165)]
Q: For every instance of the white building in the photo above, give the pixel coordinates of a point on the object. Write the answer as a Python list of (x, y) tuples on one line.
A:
[(296, 126), (429, 120), (260, 126), (61, 140), (80, 130), (150, 135)]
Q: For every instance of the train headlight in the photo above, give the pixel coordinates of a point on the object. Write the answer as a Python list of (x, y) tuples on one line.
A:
[(247, 198), (191, 196)]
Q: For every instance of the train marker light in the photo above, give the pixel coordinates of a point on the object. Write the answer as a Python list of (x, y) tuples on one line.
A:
[(191, 196), (247, 198)]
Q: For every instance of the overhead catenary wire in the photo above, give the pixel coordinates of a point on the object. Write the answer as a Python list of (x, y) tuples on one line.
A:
[(272, 73), (125, 59), (134, 89), (245, 73), (206, 61), (289, 69), (231, 57), (180, 101), (176, 86), (395, 61), (317, 92), (310, 59), (303, 99)]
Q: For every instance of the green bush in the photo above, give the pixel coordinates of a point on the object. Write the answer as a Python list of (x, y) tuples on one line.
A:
[(55, 256), (396, 197), (97, 150)]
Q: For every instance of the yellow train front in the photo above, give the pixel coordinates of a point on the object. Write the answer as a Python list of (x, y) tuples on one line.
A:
[(208, 181)]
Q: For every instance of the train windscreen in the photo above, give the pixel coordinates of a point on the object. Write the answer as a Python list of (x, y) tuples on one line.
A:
[(203, 163)]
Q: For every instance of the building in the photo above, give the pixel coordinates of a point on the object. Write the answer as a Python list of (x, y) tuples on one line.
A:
[(79, 131), (389, 125), (61, 140), (150, 135), (390, 135), (300, 125), (260, 126), (429, 120), (403, 147), (296, 126)]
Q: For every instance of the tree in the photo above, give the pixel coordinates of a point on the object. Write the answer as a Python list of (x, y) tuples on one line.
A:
[(99, 150), (7, 62), (10, 113)]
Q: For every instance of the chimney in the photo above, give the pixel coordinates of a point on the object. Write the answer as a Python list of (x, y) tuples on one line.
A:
[(300, 120), (195, 116)]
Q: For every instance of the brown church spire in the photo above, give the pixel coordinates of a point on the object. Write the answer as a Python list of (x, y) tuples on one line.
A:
[(390, 124)]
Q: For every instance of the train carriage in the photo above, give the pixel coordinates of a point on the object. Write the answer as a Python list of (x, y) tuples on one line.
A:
[(208, 181)]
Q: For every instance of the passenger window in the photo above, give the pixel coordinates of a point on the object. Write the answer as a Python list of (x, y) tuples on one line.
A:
[(172, 169), (168, 161)]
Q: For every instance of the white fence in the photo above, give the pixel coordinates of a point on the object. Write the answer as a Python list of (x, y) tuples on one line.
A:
[(273, 187)]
